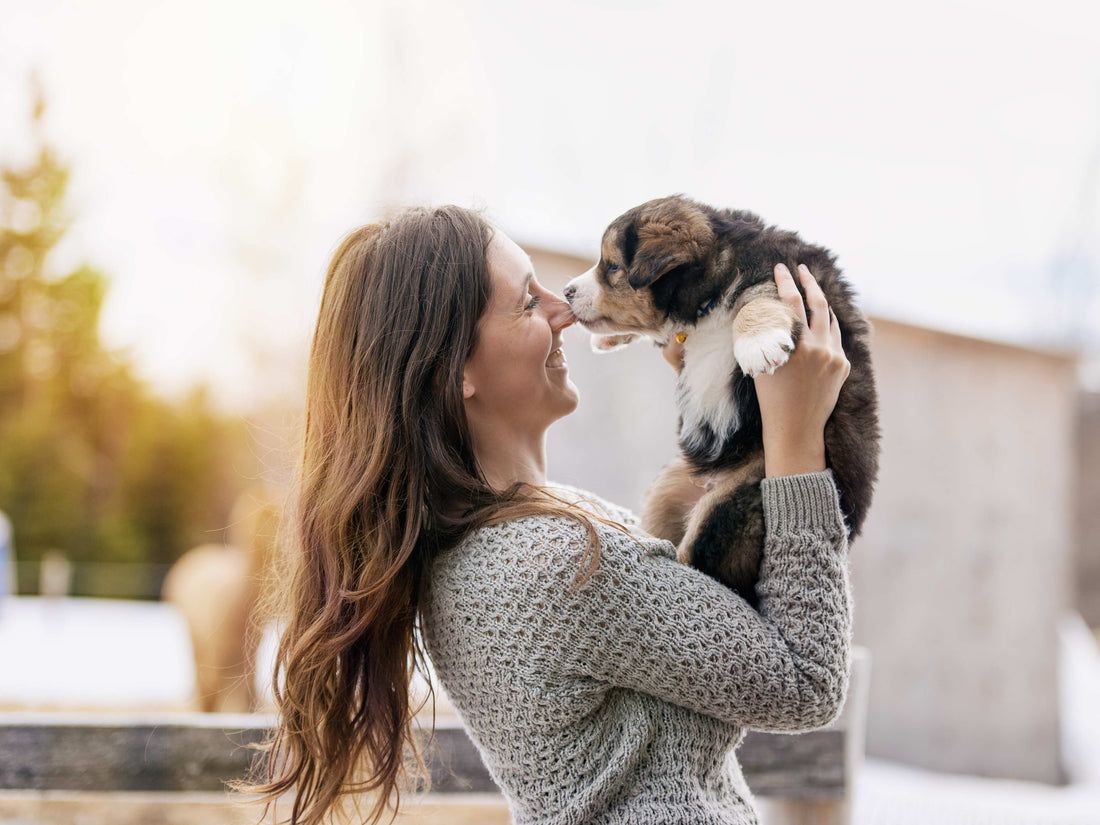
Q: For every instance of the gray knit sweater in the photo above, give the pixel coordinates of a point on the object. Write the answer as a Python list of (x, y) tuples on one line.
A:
[(623, 702)]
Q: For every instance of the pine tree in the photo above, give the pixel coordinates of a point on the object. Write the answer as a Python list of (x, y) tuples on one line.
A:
[(91, 462)]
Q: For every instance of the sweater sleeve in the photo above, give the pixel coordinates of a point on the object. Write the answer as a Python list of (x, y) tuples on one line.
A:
[(645, 622)]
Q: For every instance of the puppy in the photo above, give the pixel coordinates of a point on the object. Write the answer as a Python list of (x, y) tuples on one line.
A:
[(674, 267)]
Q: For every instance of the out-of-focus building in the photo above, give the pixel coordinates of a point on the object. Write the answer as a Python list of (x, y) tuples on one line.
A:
[(963, 570), (965, 563), (1088, 508)]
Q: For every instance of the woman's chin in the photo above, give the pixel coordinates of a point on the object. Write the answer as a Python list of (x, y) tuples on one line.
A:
[(570, 399)]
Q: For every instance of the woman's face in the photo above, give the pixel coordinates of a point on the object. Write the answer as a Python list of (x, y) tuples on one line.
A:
[(516, 377)]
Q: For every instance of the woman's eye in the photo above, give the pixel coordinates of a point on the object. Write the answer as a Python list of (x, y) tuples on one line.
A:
[(534, 302)]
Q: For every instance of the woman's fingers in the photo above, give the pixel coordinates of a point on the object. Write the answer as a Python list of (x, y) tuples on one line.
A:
[(788, 292), (815, 298), (836, 343), (673, 352), (818, 317), (834, 328), (823, 327)]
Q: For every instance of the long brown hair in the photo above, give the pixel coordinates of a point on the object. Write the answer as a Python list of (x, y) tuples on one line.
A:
[(387, 479)]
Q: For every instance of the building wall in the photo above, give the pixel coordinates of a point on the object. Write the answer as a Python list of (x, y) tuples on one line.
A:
[(1088, 509), (963, 568)]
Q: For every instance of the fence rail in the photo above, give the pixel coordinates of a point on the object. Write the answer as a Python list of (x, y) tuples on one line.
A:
[(200, 752), (103, 580)]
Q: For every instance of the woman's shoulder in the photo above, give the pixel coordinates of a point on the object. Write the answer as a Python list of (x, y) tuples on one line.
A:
[(555, 527), (546, 549), (522, 536), (594, 504), (506, 562), (556, 540)]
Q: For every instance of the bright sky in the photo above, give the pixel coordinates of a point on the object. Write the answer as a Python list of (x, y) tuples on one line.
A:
[(948, 151)]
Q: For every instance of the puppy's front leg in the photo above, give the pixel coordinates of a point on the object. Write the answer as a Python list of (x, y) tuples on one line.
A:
[(765, 331)]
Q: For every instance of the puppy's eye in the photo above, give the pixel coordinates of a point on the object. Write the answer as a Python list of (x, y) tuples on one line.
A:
[(613, 268)]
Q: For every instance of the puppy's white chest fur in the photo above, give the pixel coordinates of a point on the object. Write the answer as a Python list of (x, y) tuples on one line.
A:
[(703, 390)]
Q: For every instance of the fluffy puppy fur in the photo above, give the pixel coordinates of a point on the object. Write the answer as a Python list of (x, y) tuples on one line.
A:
[(673, 266)]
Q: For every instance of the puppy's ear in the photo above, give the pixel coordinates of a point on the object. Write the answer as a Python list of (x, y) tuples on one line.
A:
[(678, 234)]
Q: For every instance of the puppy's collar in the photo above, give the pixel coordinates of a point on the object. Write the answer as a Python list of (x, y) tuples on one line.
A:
[(700, 314), (705, 309)]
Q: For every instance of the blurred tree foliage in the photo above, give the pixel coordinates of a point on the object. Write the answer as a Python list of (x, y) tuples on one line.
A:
[(91, 461)]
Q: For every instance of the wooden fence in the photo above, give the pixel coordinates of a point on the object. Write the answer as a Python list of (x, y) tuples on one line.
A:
[(804, 778)]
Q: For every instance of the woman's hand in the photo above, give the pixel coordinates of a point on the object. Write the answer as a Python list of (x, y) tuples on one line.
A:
[(797, 400), (673, 352)]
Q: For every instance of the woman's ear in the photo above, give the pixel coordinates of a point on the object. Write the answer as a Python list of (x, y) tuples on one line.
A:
[(467, 387)]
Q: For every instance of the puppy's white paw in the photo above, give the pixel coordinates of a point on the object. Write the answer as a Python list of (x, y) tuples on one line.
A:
[(611, 342), (763, 352)]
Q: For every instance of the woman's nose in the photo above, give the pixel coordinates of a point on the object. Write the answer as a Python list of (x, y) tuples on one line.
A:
[(559, 313)]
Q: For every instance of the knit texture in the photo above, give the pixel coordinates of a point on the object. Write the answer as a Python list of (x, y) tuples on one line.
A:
[(624, 700)]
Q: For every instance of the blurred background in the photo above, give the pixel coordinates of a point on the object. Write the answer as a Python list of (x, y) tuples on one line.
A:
[(176, 175)]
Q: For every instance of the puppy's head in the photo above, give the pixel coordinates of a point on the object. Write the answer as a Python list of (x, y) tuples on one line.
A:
[(651, 270)]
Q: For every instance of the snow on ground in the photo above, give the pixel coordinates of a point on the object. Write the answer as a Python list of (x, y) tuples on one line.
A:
[(890, 794), (1079, 682), (91, 653)]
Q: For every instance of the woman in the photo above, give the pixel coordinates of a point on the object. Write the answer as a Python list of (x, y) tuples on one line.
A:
[(601, 680)]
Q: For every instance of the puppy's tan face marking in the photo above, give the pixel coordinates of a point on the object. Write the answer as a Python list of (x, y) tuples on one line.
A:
[(638, 248), (621, 304), (603, 299)]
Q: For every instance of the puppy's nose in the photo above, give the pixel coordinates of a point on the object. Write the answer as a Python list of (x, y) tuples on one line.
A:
[(569, 292)]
